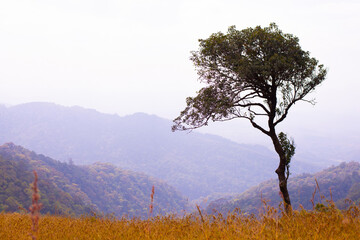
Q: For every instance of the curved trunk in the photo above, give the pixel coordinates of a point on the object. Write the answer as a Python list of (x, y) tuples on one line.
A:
[(281, 171)]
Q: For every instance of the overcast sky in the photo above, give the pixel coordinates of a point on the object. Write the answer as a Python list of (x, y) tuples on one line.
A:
[(133, 56)]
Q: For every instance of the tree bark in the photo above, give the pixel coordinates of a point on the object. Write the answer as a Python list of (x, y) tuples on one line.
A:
[(281, 172)]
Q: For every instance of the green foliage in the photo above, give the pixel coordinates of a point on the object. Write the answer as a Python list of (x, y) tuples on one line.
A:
[(288, 147)]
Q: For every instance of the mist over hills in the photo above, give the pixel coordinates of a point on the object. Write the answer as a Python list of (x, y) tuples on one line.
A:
[(196, 164)]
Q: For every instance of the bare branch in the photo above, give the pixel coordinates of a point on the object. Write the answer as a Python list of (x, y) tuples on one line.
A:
[(312, 101), (257, 114), (253, 104), (255, 125)]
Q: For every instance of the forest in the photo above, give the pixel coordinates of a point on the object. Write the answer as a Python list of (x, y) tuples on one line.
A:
[(67, 189)]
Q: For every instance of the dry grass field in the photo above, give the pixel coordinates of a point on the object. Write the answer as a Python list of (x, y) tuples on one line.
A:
[(326, 223)]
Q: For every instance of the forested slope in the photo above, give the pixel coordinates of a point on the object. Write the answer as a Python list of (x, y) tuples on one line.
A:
[(337, 183), (71, 189)]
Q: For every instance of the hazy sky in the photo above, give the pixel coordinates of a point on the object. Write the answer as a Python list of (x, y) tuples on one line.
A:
[(133, 56)]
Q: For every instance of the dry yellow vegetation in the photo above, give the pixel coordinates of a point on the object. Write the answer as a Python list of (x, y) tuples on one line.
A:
[(326, 223)]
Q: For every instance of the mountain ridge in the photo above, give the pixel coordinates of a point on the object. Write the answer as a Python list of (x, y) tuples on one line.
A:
[(196, 164)]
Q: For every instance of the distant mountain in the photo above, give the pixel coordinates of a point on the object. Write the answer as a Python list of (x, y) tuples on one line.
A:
[(196, 164), (71, 189), (339, 183)]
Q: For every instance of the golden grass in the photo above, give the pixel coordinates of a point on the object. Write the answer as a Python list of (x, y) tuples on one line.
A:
[(328, 223)]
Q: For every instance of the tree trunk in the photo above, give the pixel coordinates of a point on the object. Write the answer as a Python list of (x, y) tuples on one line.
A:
[(281, 172)]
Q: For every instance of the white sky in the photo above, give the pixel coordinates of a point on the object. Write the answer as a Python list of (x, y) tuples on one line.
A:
[(133, 56)]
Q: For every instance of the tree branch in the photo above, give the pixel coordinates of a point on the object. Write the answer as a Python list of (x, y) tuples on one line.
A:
[(255, 125), (252, 104)]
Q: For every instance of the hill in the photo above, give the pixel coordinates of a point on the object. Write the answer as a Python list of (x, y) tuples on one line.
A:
[(196, 164), (336, 183), (71, 189)]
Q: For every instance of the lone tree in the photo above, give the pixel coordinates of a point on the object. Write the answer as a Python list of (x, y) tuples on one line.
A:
[(257, 74)]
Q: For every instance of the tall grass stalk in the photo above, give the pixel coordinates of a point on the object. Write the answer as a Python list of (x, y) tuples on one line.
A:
[(35, 207), (151, 206)]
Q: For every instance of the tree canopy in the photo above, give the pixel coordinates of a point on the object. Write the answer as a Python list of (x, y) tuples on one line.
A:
[(255, 72)]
